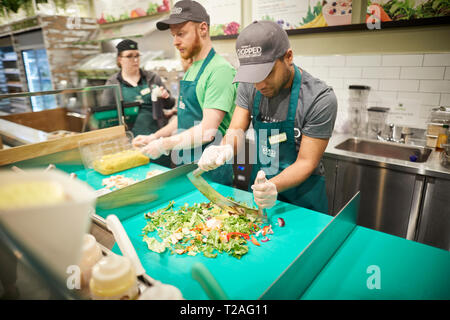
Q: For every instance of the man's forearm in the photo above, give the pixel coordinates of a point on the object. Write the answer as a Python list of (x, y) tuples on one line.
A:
[(190, 138), (235, 138), (293, 175), (168, 130)]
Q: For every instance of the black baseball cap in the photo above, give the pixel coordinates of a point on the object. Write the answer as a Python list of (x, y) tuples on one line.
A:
[(182, 11), (126, 44), (258, 46)]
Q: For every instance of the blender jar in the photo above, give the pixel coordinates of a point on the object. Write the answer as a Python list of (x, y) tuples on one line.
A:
[(358, 97)]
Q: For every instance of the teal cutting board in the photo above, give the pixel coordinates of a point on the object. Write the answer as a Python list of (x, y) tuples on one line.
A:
[(373, 265), (245, 278)]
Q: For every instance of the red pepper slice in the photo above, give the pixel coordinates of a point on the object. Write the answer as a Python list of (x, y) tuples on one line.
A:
[(244, 235), (267, 230), (254, 241)]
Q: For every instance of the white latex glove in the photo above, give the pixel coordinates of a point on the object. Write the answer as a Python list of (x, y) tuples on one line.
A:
[(159, 92), (215, 156), (142, 140), (155, 149), (264, 191)]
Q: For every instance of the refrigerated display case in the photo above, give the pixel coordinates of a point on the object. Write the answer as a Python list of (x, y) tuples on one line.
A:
[(10, 81), (37, 71)]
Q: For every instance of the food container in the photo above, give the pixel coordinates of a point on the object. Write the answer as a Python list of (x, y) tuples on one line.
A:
[(111, 156), (113, 278), (49, 214), (445, 155), (91, 254), (432, 141)]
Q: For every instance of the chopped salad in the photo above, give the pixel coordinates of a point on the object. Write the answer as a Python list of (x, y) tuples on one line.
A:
[(202, 228)]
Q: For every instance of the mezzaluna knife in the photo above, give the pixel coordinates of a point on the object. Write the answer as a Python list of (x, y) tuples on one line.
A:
[(225, 203)]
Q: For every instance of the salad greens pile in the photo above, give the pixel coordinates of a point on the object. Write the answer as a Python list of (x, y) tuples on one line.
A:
[(433, 8), (201, 228), (406, 9)]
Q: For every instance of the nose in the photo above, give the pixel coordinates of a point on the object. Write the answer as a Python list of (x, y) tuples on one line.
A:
[(176, 41)]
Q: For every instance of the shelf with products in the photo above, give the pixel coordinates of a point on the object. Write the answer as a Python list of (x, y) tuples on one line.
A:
[(11, 71), (9, 60), (15, 84)]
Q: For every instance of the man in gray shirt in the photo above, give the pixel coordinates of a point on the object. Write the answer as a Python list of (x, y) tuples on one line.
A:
[(293, 115)]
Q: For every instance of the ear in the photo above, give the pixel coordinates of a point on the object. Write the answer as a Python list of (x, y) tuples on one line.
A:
[(204, 29), (289, 57)]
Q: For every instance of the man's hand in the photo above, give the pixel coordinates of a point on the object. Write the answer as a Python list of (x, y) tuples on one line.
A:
[(215, 156), (264, 191), (155, 149), (143, 140)]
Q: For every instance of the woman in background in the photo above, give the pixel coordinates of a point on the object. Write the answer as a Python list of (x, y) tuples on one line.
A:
[(137, 84)]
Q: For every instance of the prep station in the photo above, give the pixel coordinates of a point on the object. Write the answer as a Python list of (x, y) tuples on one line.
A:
[(313, 256), (108, 224)]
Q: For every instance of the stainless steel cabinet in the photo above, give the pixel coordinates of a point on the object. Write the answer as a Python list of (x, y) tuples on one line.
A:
[(434, 222), (387, 196), (330, 166)]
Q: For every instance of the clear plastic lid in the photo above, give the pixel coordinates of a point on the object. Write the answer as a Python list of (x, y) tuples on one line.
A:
[(440, 115)]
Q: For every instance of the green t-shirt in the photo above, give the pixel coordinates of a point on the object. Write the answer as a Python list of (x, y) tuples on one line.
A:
[(215, 88)]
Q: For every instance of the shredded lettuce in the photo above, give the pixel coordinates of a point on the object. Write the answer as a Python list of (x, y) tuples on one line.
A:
[(155, 245), (185, 230)]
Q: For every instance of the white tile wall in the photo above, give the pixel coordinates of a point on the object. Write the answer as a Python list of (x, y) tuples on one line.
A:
[(399, 85), (329, 61), (441, 86), (447, 73), (381, 72), (426, 73), (364, 61), (344, 72), (400, 60), (431, 99), (440, 59), (424, 78), (445, 99)]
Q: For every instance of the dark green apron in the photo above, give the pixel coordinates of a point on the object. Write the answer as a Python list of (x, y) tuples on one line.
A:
[(274, 158), (190, 113), (144, 124), (144, 121)]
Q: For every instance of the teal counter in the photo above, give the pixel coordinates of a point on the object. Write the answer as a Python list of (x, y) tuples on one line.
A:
[(375, 265), (315, 256), (245, 278)]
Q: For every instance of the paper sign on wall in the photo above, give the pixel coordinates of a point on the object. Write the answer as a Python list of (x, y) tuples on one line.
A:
[(408, 113)]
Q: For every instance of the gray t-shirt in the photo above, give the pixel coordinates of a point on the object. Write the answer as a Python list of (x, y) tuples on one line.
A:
[(316, 109)]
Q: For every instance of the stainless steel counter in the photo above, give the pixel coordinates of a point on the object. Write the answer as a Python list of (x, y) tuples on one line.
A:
[(403, 198), (431, 167)]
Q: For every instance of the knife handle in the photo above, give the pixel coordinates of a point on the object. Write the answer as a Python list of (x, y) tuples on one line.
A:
[(263, 213)]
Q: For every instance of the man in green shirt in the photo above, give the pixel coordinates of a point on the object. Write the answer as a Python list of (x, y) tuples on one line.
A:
[(207, 93)]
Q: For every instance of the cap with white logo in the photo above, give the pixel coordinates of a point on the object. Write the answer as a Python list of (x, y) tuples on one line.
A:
[(258, 46), (184, 10), (126, 44)]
